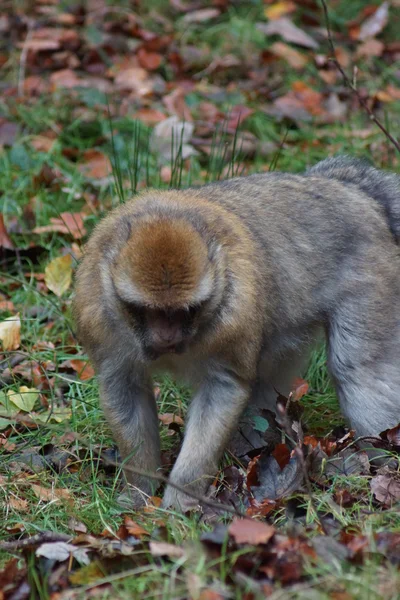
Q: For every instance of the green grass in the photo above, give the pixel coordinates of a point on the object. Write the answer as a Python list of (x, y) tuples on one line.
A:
[(93, 493)]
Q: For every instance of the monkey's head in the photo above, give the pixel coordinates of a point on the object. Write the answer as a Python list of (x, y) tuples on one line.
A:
[(167, 283)]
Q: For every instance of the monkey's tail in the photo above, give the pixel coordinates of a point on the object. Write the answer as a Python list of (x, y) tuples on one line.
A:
[(383, 186)]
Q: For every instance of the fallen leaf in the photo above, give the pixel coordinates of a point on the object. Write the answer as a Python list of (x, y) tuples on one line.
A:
[(201, 15), (165, 549), (149, 116), (95, 165), (5, 241), (134, 528), (293, 57), (386, 488), (83, 368), (25, 399), (58, 274), (278, 9), (370, 47), (61, 551), (299, 388), (65, 78), (149, 60), (393, 435), (18, 504), (51, 494), (42, 143), (168, 418), (134, 79), (171, 137), (289, 32), (10, 333), (376, 22), (249, 531)]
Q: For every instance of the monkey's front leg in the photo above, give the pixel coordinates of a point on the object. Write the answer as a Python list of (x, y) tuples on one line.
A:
[(129, 405), (213, 416)]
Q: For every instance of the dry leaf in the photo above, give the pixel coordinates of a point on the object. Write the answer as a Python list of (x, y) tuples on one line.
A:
[(51, 495), (134, 79), (65, 78), (278, 9), (18, 504), (134, 528), (289, 31), (165, 549), (201, 15), (149, 60), (168, 418), (95, 165), (42, 143), (68, 223), (58, 274), (376, 23), (386, 488), (83, 368), (10, 333), (248, 531), (293, 57)]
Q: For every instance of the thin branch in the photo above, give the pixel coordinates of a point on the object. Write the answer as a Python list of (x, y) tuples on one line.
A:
[(23, 57), (352, 86), (162, 479)]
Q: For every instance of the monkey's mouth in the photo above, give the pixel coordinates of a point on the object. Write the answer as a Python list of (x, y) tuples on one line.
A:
[(156, 352)]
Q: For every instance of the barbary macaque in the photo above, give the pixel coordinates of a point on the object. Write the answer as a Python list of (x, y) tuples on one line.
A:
[(225, 286)]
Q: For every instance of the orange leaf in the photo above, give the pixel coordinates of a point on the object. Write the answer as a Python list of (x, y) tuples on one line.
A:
[(96, 165), (134, 528), (247, 531), (83, 368), (10, 333)]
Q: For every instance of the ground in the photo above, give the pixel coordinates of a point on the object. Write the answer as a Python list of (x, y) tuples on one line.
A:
[(98, 101)]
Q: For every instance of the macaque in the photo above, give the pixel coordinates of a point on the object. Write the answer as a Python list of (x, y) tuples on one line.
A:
[(226, 286)]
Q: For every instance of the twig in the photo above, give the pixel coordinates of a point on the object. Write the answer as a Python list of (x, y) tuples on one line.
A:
[(35, 540), (352, 86), (162, 479)]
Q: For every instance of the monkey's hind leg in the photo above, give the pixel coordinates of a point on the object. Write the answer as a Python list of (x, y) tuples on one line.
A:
[(364, 353)]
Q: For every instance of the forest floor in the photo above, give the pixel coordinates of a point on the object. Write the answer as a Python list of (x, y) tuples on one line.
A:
[(98, 101)]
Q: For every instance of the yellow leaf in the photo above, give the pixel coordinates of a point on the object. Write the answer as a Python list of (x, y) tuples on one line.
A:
[(279, 9), (25, 399), (58, 274), (10, 333)]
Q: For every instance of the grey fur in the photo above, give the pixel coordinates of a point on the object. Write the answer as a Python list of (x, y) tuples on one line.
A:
[(290, 255)]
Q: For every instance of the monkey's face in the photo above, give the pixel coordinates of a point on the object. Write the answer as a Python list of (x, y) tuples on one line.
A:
[(165, 281), (164, 331)]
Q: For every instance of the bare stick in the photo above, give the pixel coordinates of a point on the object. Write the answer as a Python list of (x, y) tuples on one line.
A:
[(352, 86), (162, 479), (23, 57)]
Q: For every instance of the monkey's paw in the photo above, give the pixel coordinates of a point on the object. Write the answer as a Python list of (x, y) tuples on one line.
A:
[(132, 498), (178, 500)]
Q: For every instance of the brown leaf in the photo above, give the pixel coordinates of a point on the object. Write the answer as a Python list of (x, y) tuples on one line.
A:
[(176, 105), (165, 549), (393, 435), (370, 47), (51, 494), (289, 31), (83, 368), (386, 488), (10, 333), (248, 531), (42, 143), (134, 79), (149, 60), (376, 23), (5, 241), (68, 223), (168, 418), (299, 388), (58, 274), (293, 57), (134, 528), (18, 504), (66, 78), (150, 116), (96, 165)]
